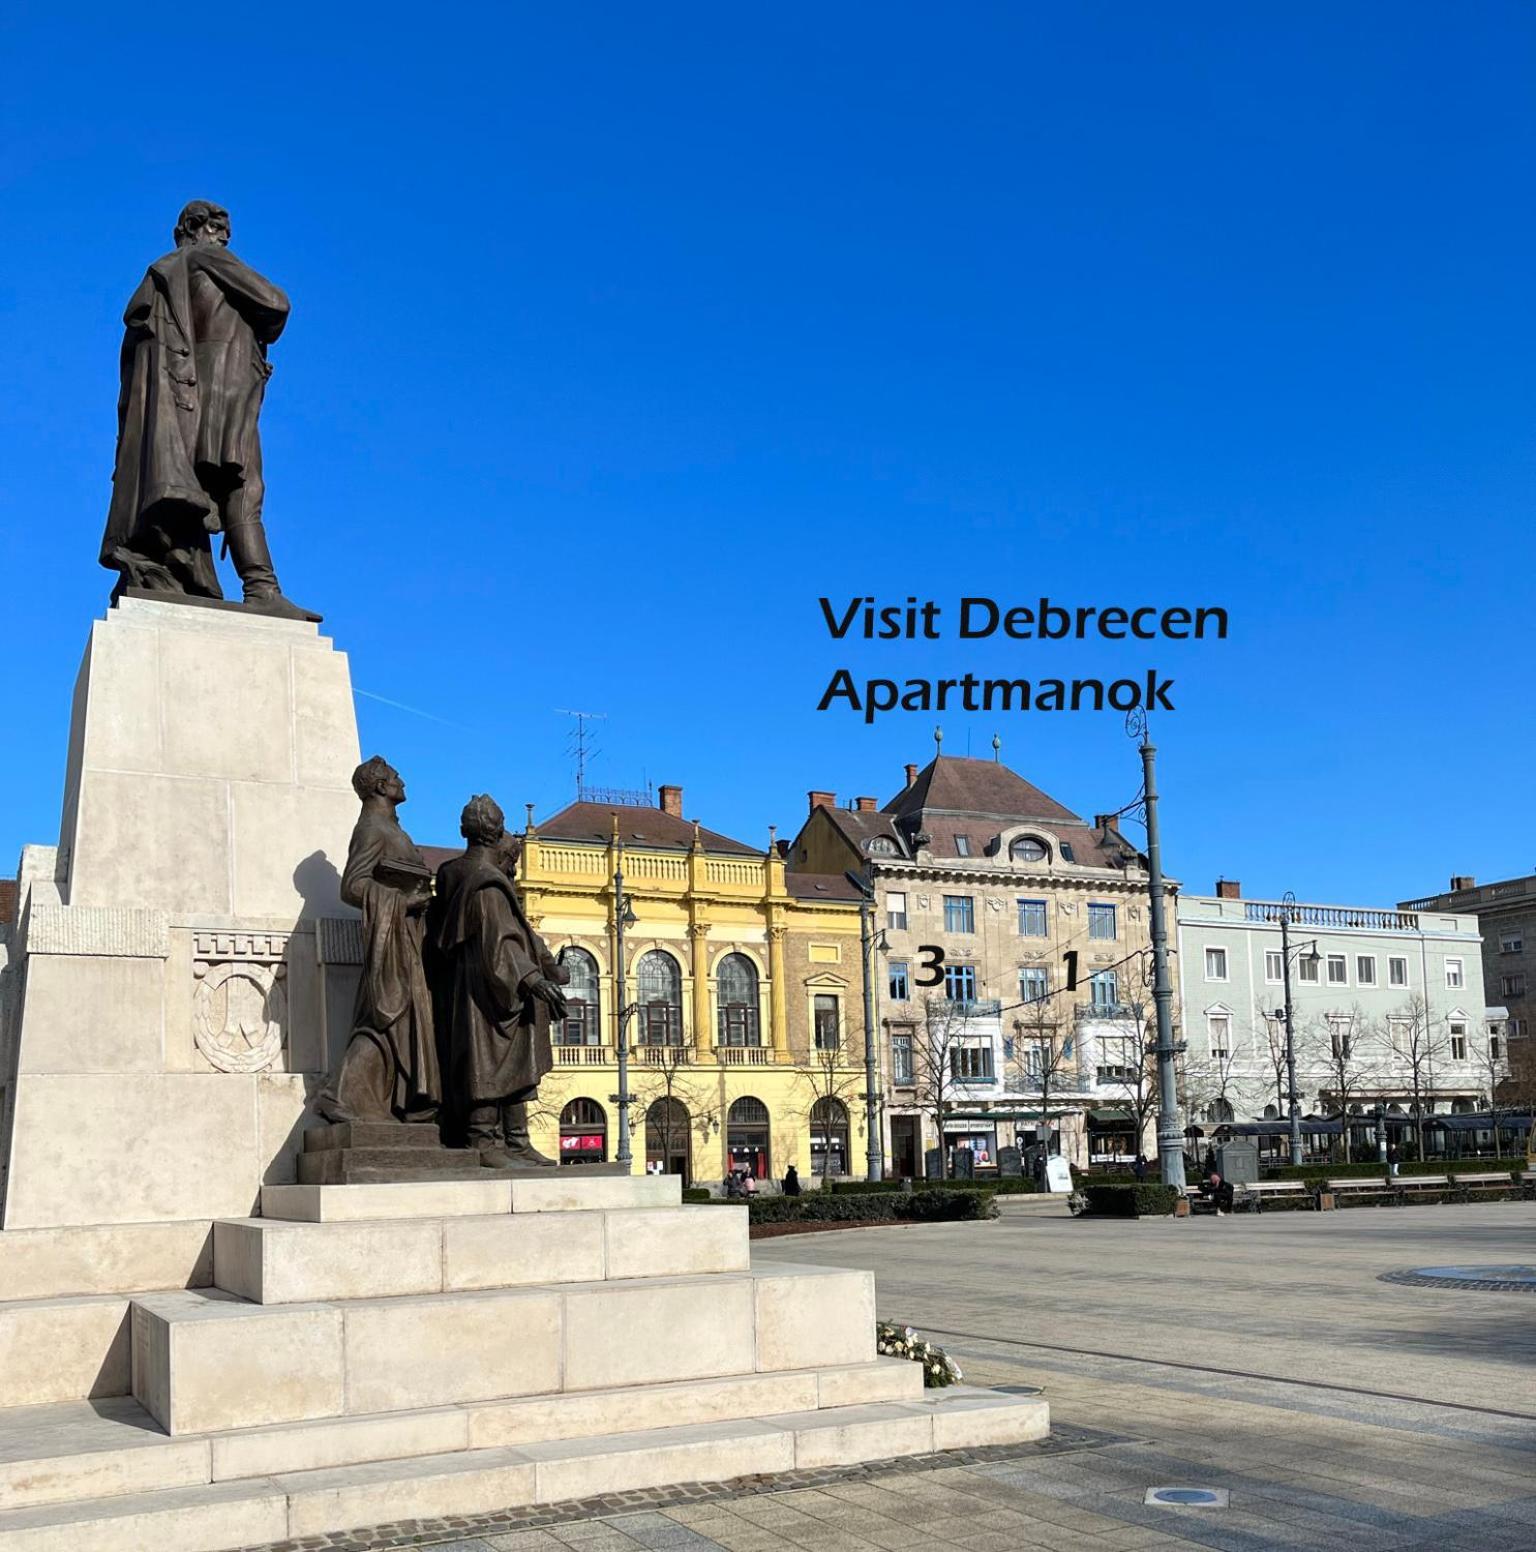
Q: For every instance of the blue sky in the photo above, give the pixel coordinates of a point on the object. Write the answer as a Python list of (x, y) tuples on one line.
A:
[(622, 334)]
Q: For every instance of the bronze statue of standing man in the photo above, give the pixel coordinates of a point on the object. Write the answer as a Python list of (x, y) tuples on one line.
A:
[(499, 989), (194, 369)]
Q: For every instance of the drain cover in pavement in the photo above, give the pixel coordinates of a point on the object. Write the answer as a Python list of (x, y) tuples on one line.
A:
[(1506, 1279), (1187, 1497)]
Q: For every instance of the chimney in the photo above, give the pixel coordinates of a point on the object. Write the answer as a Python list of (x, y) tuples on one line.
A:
[(822, 800), (864, 805), (1460, 881), (911, 775), (1107, 822), (1228, 889), (672, 801)]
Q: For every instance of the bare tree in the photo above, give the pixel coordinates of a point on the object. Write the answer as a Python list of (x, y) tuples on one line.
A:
[(665, 1084), (1350, 1058), (1043, 1061), (1420, 1046), (1494, 1079), (937, 1064), (830, 1081)]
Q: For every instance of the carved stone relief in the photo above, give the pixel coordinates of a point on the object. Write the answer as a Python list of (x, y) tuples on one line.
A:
[(240, 1003)]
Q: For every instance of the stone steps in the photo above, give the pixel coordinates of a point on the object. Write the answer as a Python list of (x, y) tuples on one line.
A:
[(53, 1454), (204, 1360), (270, 1261), (490, 1191), (217, 1515)]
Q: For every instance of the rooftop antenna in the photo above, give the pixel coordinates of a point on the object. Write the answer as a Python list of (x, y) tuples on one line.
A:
[(580, 742), (997, 748)]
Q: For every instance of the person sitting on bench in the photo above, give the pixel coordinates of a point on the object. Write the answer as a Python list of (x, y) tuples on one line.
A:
[(1217, 1190)]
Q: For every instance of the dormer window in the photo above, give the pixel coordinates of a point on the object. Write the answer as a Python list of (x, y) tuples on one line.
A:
[(962, 846), (882, 846), (1026, 848)]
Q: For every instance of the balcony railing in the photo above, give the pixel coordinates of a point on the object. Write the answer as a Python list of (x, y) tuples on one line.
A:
[(975, 1007), (744, 1055), (665, 1055), (584, 1056), (1331, 916)]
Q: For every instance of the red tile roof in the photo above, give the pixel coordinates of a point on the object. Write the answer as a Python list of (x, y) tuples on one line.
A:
[(637, 827)]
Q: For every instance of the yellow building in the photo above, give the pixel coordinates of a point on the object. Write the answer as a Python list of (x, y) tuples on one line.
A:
[(744, 987)]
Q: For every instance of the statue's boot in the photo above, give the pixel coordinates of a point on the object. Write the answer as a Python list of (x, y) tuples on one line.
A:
[(514, 1121), (484, 1136), (248, 550)]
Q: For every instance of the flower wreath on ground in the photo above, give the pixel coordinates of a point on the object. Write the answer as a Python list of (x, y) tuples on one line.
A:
[(939, 1369)]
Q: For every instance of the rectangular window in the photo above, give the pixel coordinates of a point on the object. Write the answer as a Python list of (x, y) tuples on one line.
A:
[(1215, 964), (1493, 1047), (960, 983), (1511, 943), (1458, 1042), (896, 910), (1274, 966), (1101, 921), (901, 1059), (1037, 1061), (1115, 1075), (1338, 970), (1066, 852), (1512, 985), (970, 1062), (1308, 969), (825, 1011), (1365, 969), (1397, 970), (1034, 983), (580, 1024), (1032, 919), (1104, 990), (959, 913), (899, 981), (962, 846), (1219, 1029), (1453, 974), (1340, 1038)]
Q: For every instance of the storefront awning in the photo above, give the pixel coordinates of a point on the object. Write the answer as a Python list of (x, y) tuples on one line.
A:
[(1476, 1121)]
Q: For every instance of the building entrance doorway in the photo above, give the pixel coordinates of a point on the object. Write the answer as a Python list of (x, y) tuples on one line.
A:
[(906, 1144)]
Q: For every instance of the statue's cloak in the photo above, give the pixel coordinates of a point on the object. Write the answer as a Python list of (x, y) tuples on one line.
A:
[(193, 370), (495, 1034)]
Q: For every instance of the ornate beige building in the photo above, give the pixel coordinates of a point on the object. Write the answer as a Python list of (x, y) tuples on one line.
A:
[(746, 1024)]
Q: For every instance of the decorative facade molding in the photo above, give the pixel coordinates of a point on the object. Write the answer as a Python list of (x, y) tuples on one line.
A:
[(261, 947), (110, 932)]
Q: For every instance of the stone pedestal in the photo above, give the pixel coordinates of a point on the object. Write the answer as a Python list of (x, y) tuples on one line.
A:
[(183, 968)]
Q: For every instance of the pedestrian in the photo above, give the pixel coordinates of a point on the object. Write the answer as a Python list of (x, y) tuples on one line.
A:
[(792, 1181), (748, 1184), (1394, 1158), (1139, 1168)]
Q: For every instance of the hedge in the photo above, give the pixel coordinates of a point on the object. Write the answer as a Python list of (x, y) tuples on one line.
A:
[(696, 1194), (1320, 1172), (881, 1207), (1133, 1201), (1004, 1185)]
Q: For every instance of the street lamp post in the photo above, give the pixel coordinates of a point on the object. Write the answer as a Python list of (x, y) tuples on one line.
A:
[(1293, 1096), (875, 1156), (623, 916), (1170, 1135)]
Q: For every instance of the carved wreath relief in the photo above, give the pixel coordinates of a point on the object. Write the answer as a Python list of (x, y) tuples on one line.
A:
[(240, 1005)]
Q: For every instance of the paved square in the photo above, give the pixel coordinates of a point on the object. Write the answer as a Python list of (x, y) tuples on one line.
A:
[(1260, 1356)]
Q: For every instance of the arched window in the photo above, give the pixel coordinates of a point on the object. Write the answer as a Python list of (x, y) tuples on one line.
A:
[(829, 1138), (736, 979), (659, 986), (746, 1136), (1026, 848), (583, 1025), (667, 1142), (881, 846), (583, 1133), (1271, 1113), (1220, 1110)]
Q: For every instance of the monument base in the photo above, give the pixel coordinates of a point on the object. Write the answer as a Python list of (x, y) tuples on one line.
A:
[(373, 1353)]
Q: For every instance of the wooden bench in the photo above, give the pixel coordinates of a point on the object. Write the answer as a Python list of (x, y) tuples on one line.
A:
[(1407, 1183), (1251, 1197), (1493, 1180), (1359, 1185)]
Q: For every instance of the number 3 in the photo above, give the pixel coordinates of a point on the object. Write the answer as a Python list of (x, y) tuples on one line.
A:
[(933, 965)]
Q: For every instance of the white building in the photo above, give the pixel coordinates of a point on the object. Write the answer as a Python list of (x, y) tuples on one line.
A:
[(1388, 1011)]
